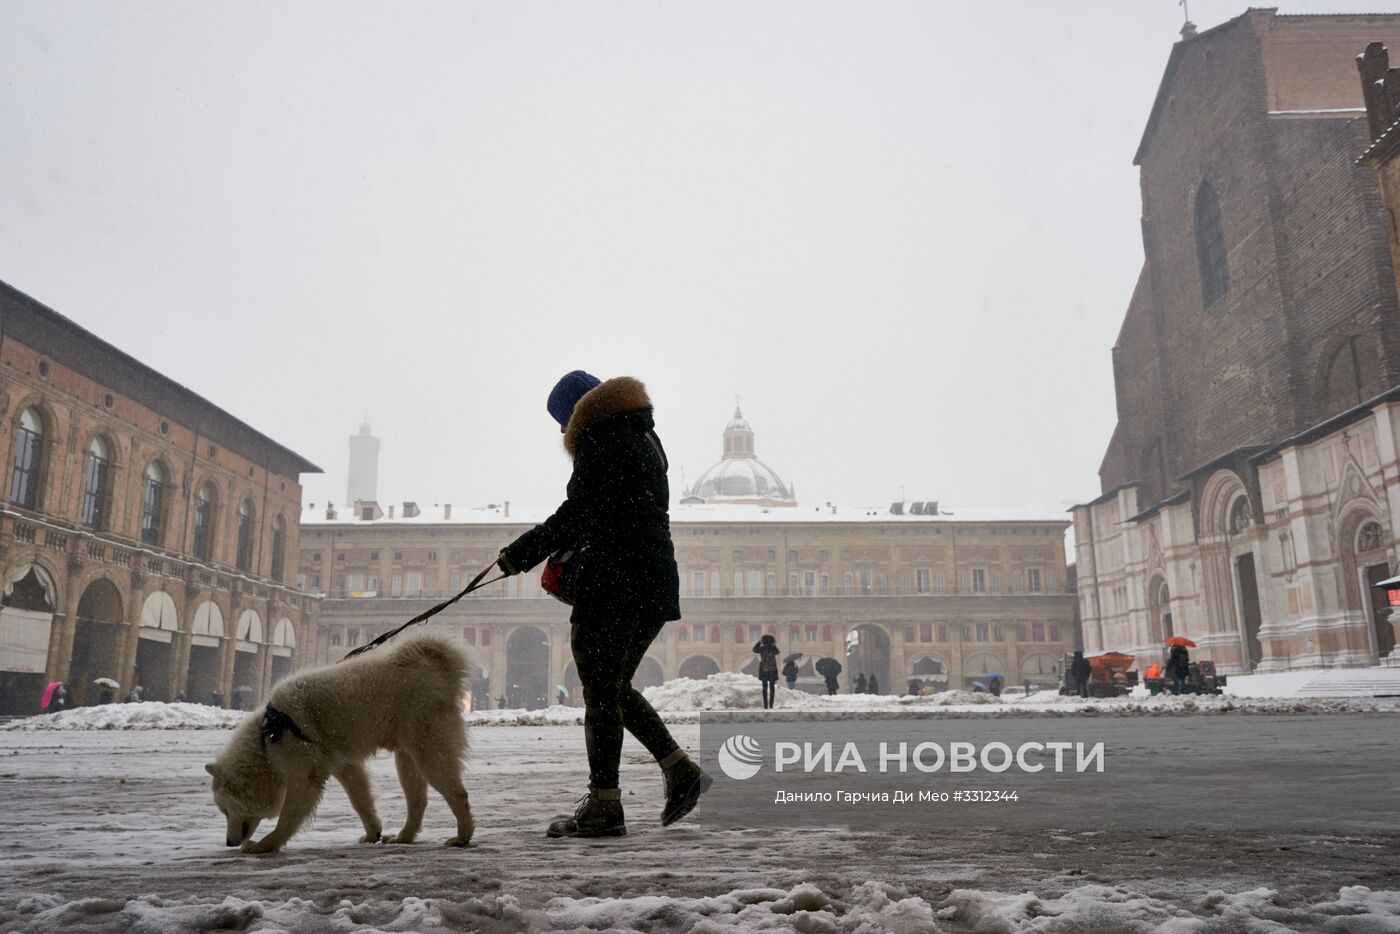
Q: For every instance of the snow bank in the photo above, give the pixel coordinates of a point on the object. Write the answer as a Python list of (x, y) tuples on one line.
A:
[(730, 690), (867, 907), (738, 697), (148, 715)]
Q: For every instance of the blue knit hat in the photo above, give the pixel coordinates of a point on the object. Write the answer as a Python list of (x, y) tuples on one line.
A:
[(566, 393)]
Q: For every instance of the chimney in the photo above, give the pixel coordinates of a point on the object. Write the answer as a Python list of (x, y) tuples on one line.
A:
[(391, 512), (507, 509), (330, 511), (447, 511), (1374, 64)]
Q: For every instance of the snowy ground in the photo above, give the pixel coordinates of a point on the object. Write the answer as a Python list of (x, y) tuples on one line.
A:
[(113, 830)]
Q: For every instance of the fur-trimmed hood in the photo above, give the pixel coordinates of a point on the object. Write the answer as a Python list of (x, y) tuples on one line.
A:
[(610, 397)]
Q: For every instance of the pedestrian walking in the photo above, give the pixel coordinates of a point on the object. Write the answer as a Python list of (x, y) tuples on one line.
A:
[(1079, 670), (829, 669), (615, 527), (872, 686), (790, 673), (767, 649), (1178, 669), (858, 686)]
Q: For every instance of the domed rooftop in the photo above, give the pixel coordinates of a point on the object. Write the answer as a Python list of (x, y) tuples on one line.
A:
[(740, 477)]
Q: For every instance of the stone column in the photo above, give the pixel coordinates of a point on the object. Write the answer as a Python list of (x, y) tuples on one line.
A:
[(179, 663), (61, 643), (130, 640)]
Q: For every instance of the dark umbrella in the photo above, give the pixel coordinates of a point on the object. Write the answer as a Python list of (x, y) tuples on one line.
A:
[(828, 667), (792, 658)]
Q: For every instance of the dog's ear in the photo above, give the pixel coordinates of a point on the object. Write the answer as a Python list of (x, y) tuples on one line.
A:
[(212, 768)]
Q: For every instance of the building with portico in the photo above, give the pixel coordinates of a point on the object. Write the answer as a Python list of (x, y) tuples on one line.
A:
[(944, 597), (146, 535)]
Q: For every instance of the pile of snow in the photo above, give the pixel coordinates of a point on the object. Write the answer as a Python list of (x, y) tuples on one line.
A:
[(546, 716), (148, 715), (1118, 908), (867, 907), (731, 690)]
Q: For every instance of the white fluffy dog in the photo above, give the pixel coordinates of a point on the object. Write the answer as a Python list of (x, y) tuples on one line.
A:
[(327, 722)]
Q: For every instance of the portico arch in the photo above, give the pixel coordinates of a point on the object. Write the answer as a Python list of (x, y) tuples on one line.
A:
[(247, 663), (868, 653), (207, 639), (97, 642), (699, 667), (26, 623), (155, 653)]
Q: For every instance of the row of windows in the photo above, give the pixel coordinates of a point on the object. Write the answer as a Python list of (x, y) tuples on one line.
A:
[(922, 632), (809, 583), (26, 481)]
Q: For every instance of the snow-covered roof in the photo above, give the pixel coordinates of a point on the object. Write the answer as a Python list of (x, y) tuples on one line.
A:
[(315, 515)]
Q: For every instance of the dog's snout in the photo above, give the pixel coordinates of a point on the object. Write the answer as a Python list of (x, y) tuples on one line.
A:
[(229, 841)]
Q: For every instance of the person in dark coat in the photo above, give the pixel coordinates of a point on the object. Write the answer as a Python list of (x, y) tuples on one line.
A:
[(767, 649), (790, 674), (1178, 669), (216, 699), (829, 669), (858, 685), (615, 521), (872, 686), (106, 696), (916, 687), (59, 701), (1079, 670)]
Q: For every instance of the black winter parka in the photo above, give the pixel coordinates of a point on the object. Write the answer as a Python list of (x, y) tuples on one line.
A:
[(615, 517)]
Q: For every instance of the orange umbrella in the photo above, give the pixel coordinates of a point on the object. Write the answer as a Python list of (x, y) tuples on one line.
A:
[(1179, 640)]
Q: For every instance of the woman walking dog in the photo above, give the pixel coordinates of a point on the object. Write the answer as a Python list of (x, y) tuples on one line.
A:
[(615, 526)]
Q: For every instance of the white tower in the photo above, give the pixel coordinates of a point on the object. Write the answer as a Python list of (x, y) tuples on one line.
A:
[(364, 467)]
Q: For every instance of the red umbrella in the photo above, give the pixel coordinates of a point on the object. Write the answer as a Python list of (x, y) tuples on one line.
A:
[(1179, 640)]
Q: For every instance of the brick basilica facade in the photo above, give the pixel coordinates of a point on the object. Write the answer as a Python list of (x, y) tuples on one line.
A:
[(1251, 489)]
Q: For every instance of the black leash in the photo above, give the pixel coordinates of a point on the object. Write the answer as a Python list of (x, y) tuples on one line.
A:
[(476, 584)]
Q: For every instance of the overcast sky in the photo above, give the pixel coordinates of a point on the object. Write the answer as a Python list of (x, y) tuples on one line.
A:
[(906, 233)]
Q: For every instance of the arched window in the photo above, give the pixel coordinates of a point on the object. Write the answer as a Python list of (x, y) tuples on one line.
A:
[(95, 484), (29, 453), (153, 504), (276, 570), (203, 521), (1210, 246), (244, 557)]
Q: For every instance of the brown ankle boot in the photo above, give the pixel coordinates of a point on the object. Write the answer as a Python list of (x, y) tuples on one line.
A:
[(599, 814), (685, 783)]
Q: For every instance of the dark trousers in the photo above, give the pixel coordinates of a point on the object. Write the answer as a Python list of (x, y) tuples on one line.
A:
[(770, 691), (607, 653), (1083, 686), (1179, 684), (831, 685)]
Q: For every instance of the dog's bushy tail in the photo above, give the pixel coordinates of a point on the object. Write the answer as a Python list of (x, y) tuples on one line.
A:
[(434, 652)]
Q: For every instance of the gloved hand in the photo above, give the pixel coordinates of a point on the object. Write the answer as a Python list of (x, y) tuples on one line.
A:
[(504, 564)]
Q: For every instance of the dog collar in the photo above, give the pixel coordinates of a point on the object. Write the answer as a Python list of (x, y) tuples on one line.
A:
[(275, 723)]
